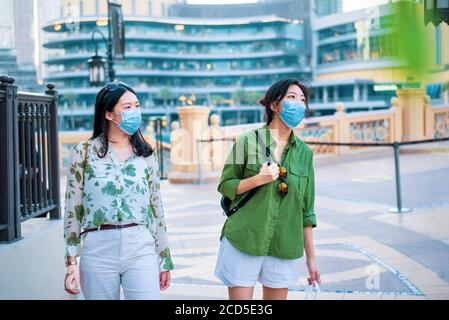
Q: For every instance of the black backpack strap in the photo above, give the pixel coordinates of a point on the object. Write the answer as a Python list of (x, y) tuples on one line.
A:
[(242, 202)]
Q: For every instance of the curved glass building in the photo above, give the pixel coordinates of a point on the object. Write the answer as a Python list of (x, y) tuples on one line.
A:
[(180, 60), (358, 58)]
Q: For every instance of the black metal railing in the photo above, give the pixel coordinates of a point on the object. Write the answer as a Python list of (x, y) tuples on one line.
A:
[(29, 165), (159, 123), (199, 152), (395, 145)]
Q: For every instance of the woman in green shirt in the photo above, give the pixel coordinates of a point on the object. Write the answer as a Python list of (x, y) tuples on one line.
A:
[(266, 237)]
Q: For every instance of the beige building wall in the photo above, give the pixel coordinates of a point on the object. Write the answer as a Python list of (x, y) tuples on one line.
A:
[(377, 75), (439, 73)]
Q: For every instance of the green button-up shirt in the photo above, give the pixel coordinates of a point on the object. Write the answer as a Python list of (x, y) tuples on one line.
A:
[(268, 224)]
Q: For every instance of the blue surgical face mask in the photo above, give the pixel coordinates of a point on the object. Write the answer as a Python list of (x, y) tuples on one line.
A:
[(131, 121), (292, 112)]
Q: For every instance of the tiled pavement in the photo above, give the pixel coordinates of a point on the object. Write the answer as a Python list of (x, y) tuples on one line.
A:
[(363, 251)]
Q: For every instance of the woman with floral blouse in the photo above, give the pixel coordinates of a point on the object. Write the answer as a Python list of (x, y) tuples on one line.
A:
[(114, 207)]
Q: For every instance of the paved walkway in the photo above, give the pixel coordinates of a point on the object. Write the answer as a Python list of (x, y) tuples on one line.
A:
[(363, 251)]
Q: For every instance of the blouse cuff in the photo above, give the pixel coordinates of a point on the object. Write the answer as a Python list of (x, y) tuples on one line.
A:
[(309, 220), (165, 264), (72, 250)]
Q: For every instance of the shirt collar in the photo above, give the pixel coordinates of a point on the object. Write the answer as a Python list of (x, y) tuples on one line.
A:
[(269, 141)]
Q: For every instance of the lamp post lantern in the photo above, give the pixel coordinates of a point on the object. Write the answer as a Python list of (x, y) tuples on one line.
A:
[(115, 45), (96, 70), (96, 63)]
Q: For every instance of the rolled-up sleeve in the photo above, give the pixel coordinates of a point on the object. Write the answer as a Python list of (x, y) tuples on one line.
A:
[(309, 217), (233, 170)]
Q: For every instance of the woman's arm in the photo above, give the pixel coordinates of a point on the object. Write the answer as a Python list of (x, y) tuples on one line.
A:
[(74, 210), (267, 174), (74, 214), (231, 182), (314, 274), (162, 249), (309, 222)]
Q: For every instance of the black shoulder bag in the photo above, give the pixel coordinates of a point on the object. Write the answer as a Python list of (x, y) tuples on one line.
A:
[(226, 202)]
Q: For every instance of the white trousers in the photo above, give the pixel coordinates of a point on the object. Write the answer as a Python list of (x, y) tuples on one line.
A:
[(115, 257)]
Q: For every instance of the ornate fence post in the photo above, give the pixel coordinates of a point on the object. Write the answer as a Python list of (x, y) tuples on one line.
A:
[(9, 168), (412, 104), (53, 147), (429, 118), (343, 134), (194, 121)]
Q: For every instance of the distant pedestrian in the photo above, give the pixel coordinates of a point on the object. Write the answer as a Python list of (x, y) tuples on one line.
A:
[(114, 207), (265, 239)]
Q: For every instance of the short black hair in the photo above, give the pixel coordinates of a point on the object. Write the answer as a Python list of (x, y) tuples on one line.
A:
[(277, 92), (106, 101)]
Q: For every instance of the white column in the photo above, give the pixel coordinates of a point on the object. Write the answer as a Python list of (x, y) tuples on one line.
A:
[(335, 93), (325, 95), (356, 96), (365, 92)]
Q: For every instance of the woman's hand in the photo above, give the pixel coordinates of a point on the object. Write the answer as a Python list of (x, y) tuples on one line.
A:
[(314, 274), (269, 173), (72, 279), (164, 280)]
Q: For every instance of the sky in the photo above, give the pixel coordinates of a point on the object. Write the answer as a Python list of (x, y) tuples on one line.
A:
[(348, 5)]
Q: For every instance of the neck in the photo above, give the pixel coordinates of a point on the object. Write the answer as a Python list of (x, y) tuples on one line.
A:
[(279, 130), (117, 137)]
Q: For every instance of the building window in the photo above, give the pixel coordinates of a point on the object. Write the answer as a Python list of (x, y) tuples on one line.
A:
[(442, 4), (150, 8)]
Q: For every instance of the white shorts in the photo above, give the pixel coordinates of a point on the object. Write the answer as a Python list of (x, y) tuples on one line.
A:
[(237, 269)]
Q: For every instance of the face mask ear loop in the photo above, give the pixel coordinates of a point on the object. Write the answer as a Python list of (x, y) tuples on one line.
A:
[(116, 123)]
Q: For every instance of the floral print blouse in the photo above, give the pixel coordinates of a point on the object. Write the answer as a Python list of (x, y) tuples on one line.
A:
[(105, 191)]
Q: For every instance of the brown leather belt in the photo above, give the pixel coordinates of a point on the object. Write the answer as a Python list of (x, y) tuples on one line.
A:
[(110, 226)]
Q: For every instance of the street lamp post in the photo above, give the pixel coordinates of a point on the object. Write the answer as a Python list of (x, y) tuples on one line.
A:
[(96, 62)]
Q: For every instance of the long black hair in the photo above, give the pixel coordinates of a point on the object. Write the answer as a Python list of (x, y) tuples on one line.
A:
[(106, 101), (277, 92)]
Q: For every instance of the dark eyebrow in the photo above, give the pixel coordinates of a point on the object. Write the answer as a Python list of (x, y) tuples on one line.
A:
[(126, 103)]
